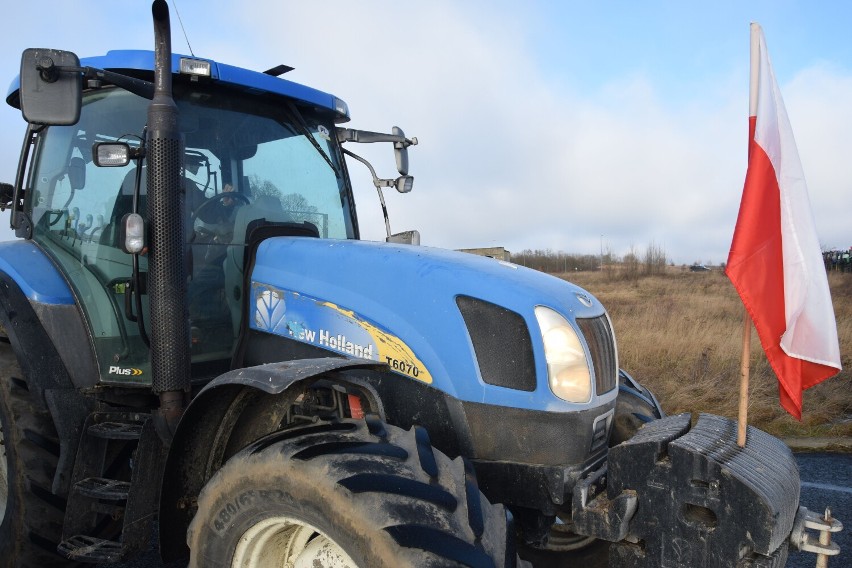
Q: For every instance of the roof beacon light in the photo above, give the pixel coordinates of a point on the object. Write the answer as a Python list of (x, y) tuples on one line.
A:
[(198, 67)]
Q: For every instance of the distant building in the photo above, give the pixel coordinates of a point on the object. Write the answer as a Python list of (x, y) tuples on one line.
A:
[(499, 253)]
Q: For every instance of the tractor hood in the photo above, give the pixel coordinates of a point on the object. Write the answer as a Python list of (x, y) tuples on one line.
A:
[(462, 323)]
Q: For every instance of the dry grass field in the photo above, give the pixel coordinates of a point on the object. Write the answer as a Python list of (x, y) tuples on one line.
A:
[(680, 334)]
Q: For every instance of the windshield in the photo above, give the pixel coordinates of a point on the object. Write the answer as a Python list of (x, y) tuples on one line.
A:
[(245, 159)]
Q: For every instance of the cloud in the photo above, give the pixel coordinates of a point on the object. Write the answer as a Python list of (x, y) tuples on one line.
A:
[(817, 104), (514, 150), (511, 155)]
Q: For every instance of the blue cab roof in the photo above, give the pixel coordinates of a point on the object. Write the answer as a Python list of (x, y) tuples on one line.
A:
[(143, 60)]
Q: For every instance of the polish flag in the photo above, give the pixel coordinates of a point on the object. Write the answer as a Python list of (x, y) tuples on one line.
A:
[(775, 262)]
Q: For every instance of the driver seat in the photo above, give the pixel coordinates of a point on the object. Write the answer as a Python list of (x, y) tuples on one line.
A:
[(266, 209), (123, 205)]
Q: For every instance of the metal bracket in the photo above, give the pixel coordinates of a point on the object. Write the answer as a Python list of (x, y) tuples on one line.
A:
[(594, 514), (819, 544), (590, 487)]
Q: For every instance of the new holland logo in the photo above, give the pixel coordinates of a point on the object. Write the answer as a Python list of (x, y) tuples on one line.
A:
[(125, 371)]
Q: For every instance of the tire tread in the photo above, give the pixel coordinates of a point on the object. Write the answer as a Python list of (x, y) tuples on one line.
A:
[(404, 493), (35, 525)]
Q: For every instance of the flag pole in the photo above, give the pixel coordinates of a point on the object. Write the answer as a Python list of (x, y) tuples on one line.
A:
[(742, 422), (754, 77), (742, 419)]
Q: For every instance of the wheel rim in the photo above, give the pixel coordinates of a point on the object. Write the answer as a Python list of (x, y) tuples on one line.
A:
[(4, 477), (284, 542)]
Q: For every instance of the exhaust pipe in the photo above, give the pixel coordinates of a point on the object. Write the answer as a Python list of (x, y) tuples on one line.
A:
[(170, 330)]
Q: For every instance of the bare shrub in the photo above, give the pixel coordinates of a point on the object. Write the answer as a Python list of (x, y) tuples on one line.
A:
[(655, 259), (630, 265), (556, 262), (680, 335)]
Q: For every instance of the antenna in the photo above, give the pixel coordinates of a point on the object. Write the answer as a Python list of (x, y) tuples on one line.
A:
[(186, 37)]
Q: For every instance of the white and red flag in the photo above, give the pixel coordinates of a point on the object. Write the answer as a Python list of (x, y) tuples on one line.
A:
[(775, 262)]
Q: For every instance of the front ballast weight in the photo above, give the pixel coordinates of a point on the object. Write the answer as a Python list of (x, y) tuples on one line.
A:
[(681, 495)]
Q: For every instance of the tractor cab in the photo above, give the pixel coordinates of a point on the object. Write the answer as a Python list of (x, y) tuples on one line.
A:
[(255, 152)]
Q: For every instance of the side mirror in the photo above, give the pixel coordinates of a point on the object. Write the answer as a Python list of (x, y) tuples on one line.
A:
[(400, 151), (244, 152), (7, 195), (400, 143), (51, 86), (77, 173)]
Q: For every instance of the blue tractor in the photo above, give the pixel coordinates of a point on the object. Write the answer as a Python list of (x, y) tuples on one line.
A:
[(197, 342)]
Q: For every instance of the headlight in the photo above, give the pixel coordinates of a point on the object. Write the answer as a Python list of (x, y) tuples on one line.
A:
[(567, 369)]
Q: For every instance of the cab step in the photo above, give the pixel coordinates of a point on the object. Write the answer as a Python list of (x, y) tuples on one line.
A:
[(103, 488), (90, 549), (115, 488), (110, 430)]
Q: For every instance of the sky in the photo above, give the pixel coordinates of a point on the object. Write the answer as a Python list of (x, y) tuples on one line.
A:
[(563, 125)]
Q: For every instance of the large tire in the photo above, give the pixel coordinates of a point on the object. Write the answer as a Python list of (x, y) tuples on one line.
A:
[(32, 516), (349, 493)]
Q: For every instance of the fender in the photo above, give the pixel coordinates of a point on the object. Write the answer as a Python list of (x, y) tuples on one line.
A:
[(228, 413), (47, 334), (34, 273), (39, 308)]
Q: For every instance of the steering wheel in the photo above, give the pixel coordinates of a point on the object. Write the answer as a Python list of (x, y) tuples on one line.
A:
[(218, 198)]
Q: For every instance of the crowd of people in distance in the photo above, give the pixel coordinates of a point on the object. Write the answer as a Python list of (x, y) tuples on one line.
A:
[(838, 260)]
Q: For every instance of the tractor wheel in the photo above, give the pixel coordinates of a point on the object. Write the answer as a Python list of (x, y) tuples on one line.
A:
[(32, 516), (635, 406), (349, 493)]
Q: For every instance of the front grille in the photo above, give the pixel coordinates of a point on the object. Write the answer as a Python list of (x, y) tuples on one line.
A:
[(501, 341), (598, 334)]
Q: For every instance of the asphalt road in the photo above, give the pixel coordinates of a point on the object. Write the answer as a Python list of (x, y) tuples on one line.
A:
[(826, 481)]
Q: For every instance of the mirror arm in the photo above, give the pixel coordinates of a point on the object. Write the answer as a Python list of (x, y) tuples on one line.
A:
[(366, 137), (50, 73), (16, 210), (141, 87), (376, 180), (136, 86), (379, 183)]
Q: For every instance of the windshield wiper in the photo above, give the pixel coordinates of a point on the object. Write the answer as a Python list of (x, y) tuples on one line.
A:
[(302, 126)]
